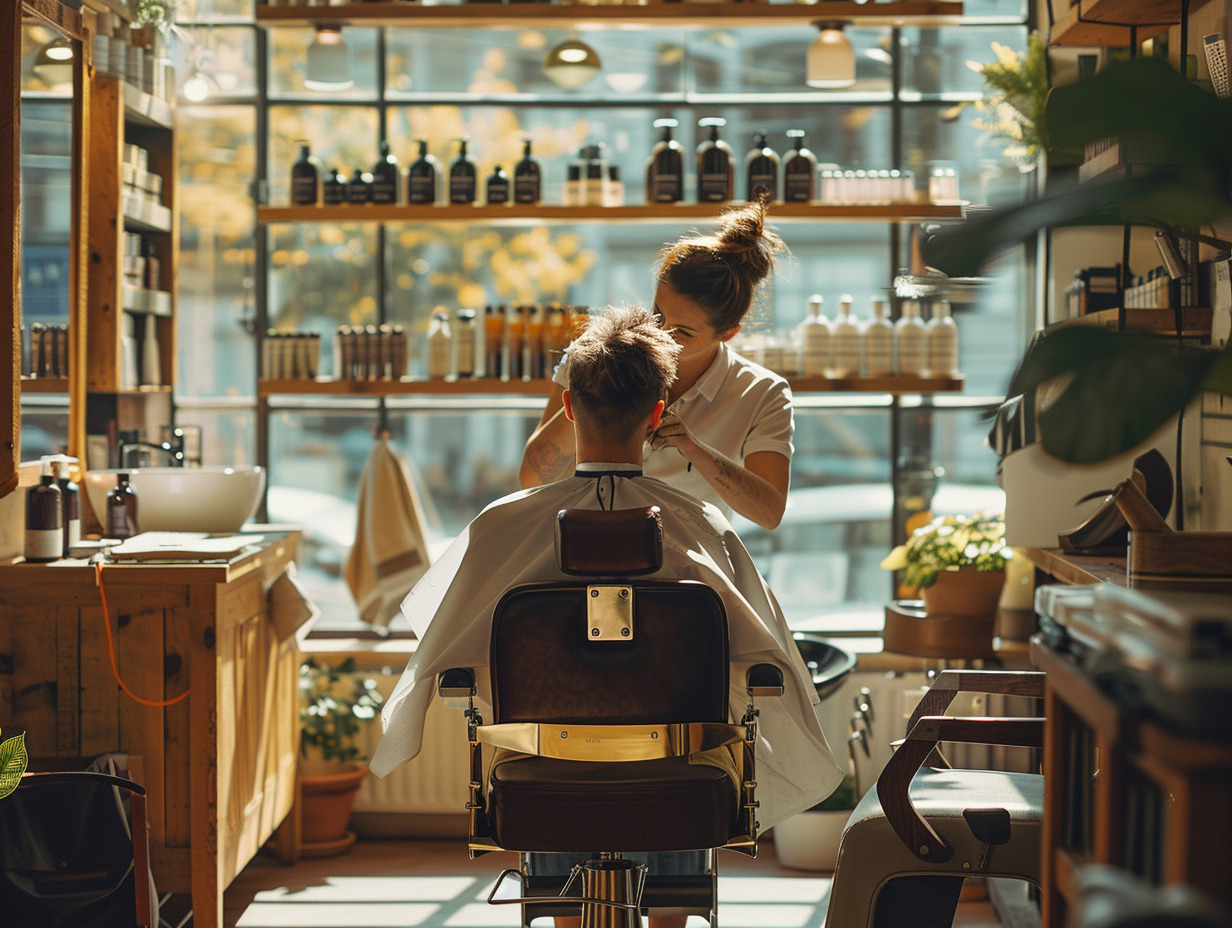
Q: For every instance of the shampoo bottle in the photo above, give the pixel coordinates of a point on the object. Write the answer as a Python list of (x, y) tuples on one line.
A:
[(464, 343), (70, 501), (665, 166), (496, 190), (715, 174), (385, 176), (493, 336), (527, 177), (799, 171), (761, 168), (816, 341), (305, 179), (462, 177), (44, 518), (910, 349), (122, 509), (848, 342), (334, 190), (941, 336), (878, 343), (440, 347), (359, 188), (422, 178)]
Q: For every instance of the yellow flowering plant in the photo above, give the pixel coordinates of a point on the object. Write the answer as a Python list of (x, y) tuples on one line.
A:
[(950, 543), (333, 703), (13, 760), (1015, 90)]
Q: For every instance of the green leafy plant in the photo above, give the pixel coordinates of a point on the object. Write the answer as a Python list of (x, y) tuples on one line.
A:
[(1118, 386), (334, 702), (951, 543), (13, 760), (1015, 89)]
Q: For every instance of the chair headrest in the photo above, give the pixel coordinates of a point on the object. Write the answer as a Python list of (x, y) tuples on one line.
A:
[(621, 542)]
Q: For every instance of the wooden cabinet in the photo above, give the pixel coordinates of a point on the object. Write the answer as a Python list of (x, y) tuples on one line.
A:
[(1121, 789), (220, 762)]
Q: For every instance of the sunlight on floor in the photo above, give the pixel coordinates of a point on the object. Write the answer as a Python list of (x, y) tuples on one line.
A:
[(459, 902)]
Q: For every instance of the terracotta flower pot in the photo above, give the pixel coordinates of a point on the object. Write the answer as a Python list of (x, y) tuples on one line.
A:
[(965, 592), (325, 808)]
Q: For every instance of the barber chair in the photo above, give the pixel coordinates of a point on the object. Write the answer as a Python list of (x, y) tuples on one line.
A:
[(925, 819), (71, 856), (610, 729)]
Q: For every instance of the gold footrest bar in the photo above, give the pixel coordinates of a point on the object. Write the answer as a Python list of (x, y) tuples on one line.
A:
[(611, 742)]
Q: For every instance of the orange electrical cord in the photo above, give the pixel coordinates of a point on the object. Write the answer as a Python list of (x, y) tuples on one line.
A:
[(115, 670)]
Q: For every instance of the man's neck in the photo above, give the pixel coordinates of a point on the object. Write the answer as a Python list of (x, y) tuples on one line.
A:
[(608, 453)]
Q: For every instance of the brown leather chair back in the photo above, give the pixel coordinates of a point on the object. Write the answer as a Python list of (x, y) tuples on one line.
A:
[(546, 667)]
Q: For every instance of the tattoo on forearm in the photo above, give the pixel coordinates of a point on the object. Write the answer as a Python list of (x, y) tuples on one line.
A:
[(549, 461)]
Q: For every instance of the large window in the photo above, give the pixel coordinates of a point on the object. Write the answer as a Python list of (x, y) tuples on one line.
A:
[(238, 279)]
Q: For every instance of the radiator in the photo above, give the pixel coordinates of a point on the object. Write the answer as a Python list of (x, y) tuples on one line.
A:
[(435, 781)]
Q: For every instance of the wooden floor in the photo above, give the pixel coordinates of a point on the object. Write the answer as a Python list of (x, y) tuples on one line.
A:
[(432, 884)]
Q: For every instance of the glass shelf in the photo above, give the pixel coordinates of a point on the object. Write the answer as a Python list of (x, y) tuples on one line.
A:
[(669, 212), (564, 15), (542, 387)]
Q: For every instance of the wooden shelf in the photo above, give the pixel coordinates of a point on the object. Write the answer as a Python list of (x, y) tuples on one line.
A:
[(480, 386), (1195, 321), (1078, 569), (668, 212), (141, 108), (1106, 23), (44, 384), (608, 16)]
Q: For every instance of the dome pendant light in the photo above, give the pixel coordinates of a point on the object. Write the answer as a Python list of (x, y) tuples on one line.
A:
[(571, 64), (53, 62), (831, 57), (329, 61)]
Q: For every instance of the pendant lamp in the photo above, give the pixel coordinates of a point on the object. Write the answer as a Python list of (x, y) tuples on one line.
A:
[(831, 57), (329, 61), (53, 62), (571, 64)]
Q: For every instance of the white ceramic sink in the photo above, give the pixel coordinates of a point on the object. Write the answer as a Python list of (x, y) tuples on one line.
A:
[(183, 499)]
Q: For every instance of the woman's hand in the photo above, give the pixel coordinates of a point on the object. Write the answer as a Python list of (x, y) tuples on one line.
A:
[(674, 433), (757, 489)]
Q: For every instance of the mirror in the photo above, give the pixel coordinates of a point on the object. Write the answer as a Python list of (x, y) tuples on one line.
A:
[(43, 129)]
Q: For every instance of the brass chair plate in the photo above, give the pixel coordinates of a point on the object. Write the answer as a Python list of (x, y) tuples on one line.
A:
[(609, 613)]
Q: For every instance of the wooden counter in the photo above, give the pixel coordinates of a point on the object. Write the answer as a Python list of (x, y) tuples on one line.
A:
[(219, 765)]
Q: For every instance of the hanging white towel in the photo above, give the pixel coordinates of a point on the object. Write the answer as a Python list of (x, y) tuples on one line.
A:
[(390, 552)]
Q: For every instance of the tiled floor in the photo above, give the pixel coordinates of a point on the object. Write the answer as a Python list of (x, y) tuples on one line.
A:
[(432, 884)]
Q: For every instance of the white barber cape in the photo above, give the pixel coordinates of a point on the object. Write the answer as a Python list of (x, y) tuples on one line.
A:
[(513, 542)]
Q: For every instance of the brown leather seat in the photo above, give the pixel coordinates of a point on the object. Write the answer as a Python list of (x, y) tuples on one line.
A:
[(546, 804)]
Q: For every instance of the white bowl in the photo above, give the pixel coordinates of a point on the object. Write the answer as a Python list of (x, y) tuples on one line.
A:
[(183, 499)]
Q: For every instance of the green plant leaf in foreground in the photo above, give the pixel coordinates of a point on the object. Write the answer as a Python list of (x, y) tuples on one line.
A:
[(13, 762), (1123, 386), (1178, 137)]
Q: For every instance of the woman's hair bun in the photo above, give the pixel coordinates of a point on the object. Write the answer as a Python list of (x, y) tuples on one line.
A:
[(743, 236)]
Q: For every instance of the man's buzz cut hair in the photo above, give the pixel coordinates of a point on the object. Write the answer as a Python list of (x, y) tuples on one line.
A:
[(619, 368)]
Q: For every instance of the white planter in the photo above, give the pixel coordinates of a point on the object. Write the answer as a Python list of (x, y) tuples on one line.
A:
[(809, 840)]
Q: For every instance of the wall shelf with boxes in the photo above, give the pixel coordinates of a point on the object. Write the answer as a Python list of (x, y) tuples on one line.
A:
[(131, 313)]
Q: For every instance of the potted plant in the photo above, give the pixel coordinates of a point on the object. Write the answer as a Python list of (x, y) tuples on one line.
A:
[(809, 840), (957, 563), (335, 702)]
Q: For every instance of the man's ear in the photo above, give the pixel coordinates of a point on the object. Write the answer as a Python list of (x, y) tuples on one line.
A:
[(729, 334), (568, 401), (656, 414)]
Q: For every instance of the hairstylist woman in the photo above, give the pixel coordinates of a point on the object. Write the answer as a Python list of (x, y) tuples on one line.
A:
[(726, 435)]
